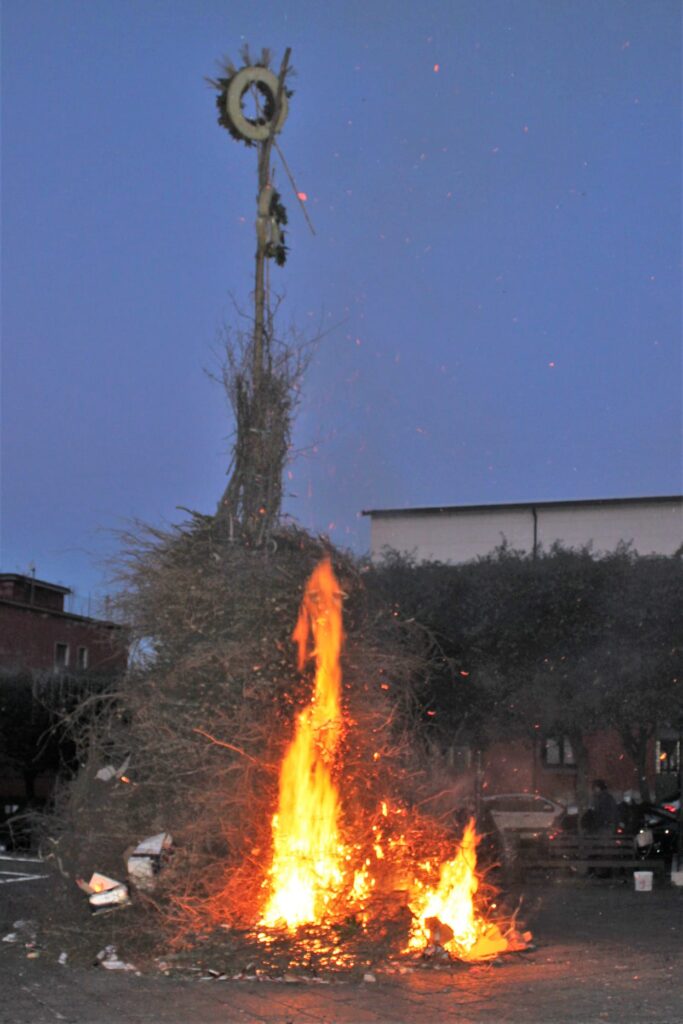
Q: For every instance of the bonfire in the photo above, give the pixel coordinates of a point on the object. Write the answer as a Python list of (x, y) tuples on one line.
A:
[(317, 877), (296, 806)]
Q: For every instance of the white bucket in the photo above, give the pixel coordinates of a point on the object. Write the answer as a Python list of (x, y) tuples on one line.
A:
[(643, 881)]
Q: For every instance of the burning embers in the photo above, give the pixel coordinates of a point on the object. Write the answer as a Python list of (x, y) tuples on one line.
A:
[(319, 876)]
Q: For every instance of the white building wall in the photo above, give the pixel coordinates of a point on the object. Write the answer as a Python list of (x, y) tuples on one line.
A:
[(451, 536), (461, 534), (651, 529)]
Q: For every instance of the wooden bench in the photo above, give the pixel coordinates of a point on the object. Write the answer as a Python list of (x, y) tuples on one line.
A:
[(582, 853)]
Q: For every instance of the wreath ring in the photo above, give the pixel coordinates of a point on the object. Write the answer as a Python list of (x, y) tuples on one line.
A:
[(267, 84)]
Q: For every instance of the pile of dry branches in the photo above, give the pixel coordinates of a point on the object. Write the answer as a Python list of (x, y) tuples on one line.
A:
[(201, 720), (262, 386)]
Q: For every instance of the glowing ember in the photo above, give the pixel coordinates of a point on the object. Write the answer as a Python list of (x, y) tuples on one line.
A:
[(307, 852)]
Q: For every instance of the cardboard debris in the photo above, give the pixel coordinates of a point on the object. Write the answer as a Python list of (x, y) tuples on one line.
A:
[(141, 873), (439, 933), (104, 893), (145, 861), (109, 772), (24, 931), (109, 959), (154, 846)]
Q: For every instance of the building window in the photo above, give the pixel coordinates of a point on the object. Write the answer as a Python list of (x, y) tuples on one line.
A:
[(668, 754), (82, 657), (61, 656), (558, 753)]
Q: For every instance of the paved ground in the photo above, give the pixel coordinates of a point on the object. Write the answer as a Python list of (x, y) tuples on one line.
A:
[(605, 954)]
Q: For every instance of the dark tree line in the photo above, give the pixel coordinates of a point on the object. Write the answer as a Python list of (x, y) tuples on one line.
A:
[(35, 717), (562, 644)]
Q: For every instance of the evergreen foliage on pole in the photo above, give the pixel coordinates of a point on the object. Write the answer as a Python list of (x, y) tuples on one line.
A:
[(261, 373)]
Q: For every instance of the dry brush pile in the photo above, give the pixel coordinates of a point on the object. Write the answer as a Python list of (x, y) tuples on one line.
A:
[(201, 721)]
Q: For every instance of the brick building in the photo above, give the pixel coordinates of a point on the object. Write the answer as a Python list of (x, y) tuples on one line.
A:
[(548, 767), (42, 645), (37, 634)]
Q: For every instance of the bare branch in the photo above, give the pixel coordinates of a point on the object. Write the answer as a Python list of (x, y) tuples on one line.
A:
[(231, 746)]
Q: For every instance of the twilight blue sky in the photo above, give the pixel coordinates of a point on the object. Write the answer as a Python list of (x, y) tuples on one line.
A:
[(496, 191)]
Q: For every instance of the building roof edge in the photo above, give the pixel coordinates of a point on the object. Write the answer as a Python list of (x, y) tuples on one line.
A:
[(494, 506), (39, 609), (34, 582)]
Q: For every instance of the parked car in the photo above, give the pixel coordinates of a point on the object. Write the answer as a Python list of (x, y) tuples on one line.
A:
[(672, 805), (523, 812), (658, 835), (17, 825)]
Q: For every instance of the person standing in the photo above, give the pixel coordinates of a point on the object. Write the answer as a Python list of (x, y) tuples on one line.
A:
[(606, 813)]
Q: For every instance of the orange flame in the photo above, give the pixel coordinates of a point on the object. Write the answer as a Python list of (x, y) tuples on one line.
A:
[(314, 876), (308, 855), (445, 915)]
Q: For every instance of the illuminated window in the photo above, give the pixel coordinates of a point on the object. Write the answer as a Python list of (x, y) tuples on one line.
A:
[(558, 753), (668, 754)]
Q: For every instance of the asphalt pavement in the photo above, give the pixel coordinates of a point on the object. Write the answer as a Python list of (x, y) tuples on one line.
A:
[(604, 953)]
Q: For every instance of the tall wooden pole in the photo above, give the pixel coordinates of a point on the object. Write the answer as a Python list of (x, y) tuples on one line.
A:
[(261, 239), (260, 390)]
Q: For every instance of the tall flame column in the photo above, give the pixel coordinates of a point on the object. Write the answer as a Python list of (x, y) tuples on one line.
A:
[(307, 867)]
